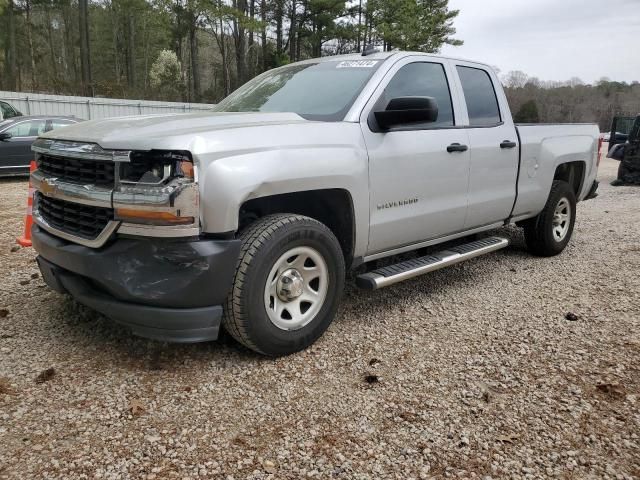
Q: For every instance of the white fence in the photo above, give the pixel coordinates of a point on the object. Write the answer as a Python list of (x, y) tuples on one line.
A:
[(89, 108)]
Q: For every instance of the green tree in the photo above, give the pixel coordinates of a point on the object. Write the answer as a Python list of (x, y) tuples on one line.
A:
[(166, 75), (421, 25), (321, 25), (528, 113), (107, 47)]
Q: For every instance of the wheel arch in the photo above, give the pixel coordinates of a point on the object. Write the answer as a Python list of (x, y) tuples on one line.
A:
[(573, 173), (332, 206)]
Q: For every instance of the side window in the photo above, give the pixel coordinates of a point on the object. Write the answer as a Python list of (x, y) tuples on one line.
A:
[(31, 128), (6, 111), (482, 103), (58, 123), (422, 79)]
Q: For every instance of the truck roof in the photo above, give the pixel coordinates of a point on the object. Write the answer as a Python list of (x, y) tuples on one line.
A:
[(386, 55)]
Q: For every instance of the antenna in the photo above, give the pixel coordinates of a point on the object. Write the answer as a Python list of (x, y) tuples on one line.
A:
[(369, 49)]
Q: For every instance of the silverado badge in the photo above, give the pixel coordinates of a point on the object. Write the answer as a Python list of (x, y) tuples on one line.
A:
[(398, 203)]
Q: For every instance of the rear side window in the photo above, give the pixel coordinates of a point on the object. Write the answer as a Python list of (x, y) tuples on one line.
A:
[(6, 110), (54, 124), (482, 103), (422, 79)]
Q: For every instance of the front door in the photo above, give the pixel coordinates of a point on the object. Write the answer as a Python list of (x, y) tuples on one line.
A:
[(15, 152), (418, 174)]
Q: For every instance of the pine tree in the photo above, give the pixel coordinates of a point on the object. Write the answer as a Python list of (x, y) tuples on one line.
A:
[(418, 25)]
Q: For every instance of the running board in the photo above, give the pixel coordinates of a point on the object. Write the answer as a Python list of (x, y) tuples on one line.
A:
[(385, 276)]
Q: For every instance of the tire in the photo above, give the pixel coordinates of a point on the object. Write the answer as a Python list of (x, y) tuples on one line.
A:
[(545, 235), (289, 250)]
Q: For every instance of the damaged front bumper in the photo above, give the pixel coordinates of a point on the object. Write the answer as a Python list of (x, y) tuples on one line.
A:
[(164, 289)]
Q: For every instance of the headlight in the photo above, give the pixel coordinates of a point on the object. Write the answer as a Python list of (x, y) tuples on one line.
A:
[(157, 188), (156, 167)]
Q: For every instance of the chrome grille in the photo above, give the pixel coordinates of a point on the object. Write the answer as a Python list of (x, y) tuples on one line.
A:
[(95, 172), (82, 221)]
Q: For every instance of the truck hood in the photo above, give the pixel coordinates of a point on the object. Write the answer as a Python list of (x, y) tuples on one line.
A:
[(173, 131)]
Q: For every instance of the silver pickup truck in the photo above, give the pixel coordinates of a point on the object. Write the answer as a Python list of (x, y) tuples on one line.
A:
[(249, 217)]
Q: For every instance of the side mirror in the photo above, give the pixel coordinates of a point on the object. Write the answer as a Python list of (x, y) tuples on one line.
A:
[(5, 136), (407, 110)]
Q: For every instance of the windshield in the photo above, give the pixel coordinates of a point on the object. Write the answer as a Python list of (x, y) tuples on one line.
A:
[(315, 91)]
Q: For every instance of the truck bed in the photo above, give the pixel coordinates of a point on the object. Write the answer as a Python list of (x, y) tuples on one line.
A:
[(542, 148)]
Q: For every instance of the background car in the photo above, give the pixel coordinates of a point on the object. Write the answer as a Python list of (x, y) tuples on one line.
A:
[(16, 136), (7, 111)]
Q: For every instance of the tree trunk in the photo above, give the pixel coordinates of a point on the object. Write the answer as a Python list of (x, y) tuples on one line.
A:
[(178, 34), (117, 71), (300, 30), (10, 60), (292, 31), (251, 53), (145, 36), (52, 43), (85, 54), (131, 52), (34, 77), (220, 39), (278, 15), (71, 67), (195, 72), (252, 13), (239, 35), (358, 45), (263, 39), (316, 44)]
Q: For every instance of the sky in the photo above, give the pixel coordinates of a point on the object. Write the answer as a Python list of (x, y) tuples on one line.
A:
[(551, 39)]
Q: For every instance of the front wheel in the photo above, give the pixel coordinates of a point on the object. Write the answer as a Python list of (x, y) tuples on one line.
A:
[(287, 285), (549, 233)]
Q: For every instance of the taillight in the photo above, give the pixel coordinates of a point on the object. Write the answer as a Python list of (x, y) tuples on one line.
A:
[(600, 141)]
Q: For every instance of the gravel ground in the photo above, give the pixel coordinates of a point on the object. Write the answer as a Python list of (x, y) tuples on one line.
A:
[(470, 372)]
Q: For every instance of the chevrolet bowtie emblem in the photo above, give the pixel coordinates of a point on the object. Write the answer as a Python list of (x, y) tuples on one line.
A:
[(47, 188)]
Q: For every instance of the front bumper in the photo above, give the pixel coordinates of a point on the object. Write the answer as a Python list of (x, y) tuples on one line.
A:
[(165, 289)]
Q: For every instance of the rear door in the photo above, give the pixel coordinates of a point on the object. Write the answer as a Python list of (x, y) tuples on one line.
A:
[(418, 189), (493, 146)]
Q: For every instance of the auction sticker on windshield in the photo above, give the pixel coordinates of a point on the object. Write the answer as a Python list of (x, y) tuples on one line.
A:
[(357, 64)]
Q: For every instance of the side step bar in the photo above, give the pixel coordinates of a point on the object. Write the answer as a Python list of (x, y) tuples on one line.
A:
[(385, 276)]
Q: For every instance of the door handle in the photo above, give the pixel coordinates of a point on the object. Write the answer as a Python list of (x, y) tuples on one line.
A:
[(456, 147), (508, 144)]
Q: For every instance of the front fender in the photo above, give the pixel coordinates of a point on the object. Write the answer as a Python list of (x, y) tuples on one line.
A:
[(228, 182)]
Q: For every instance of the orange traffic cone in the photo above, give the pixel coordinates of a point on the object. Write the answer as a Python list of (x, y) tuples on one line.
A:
[(25, 240)]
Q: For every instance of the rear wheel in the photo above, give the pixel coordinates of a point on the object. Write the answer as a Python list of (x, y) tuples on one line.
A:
[(549, 233), (287, 285)]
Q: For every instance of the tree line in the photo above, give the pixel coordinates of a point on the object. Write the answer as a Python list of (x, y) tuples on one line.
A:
[(201, 50), (195, 50), (573, 101)]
